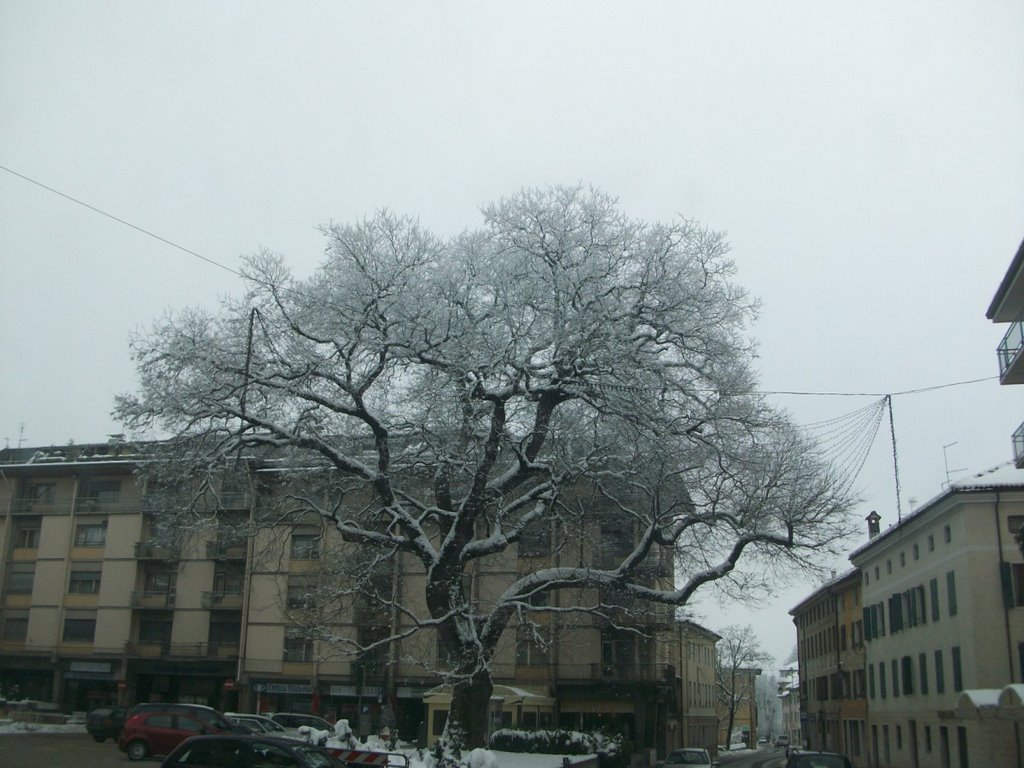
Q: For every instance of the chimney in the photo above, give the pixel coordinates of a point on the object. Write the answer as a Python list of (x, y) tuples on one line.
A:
[(873, 520)]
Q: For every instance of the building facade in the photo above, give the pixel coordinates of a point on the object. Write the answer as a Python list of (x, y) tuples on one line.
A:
[(1007, 306), (697, 725), (96, 607), (943, 592), (830, 654)]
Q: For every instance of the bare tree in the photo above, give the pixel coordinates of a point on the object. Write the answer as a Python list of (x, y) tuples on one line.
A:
[(738, 662), (562, 362), (769, 712)]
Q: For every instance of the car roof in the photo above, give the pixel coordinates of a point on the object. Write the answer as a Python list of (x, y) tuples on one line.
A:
[(286, 741)]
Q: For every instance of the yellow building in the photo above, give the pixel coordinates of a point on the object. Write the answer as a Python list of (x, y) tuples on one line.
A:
[(93, 611)]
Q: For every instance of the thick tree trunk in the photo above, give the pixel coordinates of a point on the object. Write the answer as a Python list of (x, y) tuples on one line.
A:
[(470, 709)]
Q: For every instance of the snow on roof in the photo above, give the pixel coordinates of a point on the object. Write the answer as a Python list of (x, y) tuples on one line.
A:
[(978, 698), (1012, 696)]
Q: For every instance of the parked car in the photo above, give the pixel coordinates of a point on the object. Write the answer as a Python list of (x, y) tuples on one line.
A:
[(158, 733), (296, 719), (105, 722), (261, 724), (235, 751), (211, 717), (799, 758), (688, 756), (782, 741)]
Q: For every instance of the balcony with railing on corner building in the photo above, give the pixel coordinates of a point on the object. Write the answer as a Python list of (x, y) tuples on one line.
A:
[(226, 549), (1011, 361), (151, 649), (147, 599), (30, 506), (1018, 447), (227, 600)]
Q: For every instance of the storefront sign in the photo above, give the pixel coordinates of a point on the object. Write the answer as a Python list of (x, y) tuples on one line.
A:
[(342, 690), (89, 666), (287, 688)]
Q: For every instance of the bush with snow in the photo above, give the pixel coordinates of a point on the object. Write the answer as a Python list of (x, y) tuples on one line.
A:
[(555, 742)]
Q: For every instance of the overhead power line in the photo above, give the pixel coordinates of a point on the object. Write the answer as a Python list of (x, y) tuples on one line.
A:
[(219, 265)]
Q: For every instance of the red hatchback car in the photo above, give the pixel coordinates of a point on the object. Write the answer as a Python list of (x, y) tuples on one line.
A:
[(158, 733)]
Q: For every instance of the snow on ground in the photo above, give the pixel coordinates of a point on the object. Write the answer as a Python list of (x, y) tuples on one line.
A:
[(14, 726)]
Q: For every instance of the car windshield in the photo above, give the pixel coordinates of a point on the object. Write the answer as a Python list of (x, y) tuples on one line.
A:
[(688, 757), (318, 758)]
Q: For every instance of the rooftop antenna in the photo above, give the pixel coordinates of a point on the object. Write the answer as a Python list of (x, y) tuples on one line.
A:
[(945, 461), (21, 434)]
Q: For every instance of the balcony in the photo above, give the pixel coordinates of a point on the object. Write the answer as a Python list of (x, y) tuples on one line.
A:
[(234, 500), (155, 650), (624, 672), (227, 600), (159, 600), (225, 550), (1011, 361), (145, 550), (39, 507), (1018, 447)]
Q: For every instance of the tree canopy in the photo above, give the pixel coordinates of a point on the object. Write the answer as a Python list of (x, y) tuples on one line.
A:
[(469, 386)]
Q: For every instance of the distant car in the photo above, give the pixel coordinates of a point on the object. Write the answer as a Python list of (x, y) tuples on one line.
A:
[(296, 719), (799, 758), (688, 756), (762, 740), (158, 733), (235, 751), (782, 741), (105, 722), (261, 724)]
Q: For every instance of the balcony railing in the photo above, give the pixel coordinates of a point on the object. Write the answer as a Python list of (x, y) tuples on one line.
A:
[(145, 550), (40, 507), (225, 550), (159, 649), (152, 599), (226, 600), (621, 672), (1018, 447), (1011, 369)]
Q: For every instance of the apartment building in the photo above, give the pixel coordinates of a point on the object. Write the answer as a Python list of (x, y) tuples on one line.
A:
[(830, 655), (1007, 306), (942, 591), (789, 699), (96, 608), (697, 723)]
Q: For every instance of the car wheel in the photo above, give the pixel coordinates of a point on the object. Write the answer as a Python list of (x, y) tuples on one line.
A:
[(137, 750), (97, 737)]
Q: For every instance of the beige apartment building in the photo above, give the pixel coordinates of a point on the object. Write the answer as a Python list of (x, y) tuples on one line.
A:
[(830, 654), (92, 611), (944, 629), (697, 724)]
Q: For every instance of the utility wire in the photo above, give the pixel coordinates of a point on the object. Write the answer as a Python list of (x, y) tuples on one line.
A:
[(602, 386)]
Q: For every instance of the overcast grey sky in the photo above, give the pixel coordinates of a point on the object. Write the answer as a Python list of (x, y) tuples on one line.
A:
[(865, 158)]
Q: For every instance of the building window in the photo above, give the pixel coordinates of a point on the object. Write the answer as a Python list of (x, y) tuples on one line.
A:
[(922, 672), (228, 580), (101, 491), (26, 534), (907, 664), (931, 543), (903, 562), (951, 592), (300, 592), (927, 738), (615, 544), (91, 534), (155, 627), (899, 737), (871, 681), (84, 581), (20, 577), (1014, 523), (958, 678), (79, 628), (881, 679), (298, 648), (961, 744), (947, 534), (876, 573), (160, 581), (226, 630), (535, 541), (917, 552), (15, 626), (895, 678), (940, 674), (934, 588), (888, 567), (305, 546), (531, 650)]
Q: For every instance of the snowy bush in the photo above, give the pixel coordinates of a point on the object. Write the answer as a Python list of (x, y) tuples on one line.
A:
[(555, 742)]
